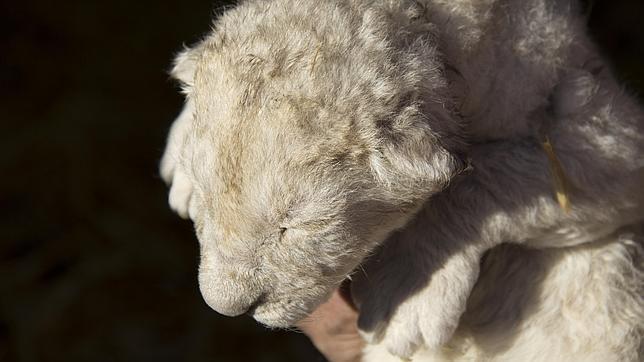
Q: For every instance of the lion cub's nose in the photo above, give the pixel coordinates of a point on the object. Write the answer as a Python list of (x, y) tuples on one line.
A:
[(227, 294)]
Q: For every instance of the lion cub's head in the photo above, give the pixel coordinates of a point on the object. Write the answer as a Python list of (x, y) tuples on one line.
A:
[(305, 147)]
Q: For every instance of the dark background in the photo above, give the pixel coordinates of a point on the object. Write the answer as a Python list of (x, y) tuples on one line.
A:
[(93, 265)]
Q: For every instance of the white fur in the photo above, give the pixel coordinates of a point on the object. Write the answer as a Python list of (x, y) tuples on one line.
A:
[(310, 145)]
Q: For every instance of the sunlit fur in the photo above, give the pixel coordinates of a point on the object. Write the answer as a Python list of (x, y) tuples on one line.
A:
[(405, 137)]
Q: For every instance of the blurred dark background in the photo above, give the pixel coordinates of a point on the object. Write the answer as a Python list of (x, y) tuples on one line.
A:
[(93, 265)]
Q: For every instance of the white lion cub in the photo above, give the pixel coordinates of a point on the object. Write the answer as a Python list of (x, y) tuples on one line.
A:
[(422, 140)]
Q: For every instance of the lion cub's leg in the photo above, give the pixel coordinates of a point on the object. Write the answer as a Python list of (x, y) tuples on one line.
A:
[(413, 291)]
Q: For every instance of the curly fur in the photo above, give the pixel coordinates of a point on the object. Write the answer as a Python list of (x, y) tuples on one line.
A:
[(405, 137)]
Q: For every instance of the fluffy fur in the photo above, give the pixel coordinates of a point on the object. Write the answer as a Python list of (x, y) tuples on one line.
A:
[(406, 137)]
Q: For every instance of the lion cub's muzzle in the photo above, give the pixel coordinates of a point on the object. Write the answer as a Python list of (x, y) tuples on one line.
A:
[(229, 293)]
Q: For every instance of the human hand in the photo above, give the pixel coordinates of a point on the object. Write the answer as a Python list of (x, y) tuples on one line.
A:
[(333, 329)]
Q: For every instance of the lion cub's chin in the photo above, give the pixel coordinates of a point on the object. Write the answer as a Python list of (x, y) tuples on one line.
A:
[(292, 312), (277, 316)]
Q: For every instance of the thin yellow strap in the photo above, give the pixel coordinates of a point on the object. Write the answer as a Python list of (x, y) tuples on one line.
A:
[(560, 182)]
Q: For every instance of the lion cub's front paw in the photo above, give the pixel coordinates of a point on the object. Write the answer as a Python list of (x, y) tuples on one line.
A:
[(170, 169), (405, 308), (180, 185), (180, 194), (420, 321)]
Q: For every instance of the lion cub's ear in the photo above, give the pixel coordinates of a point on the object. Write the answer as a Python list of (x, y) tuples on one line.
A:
[(185, 65), (413, 162)]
